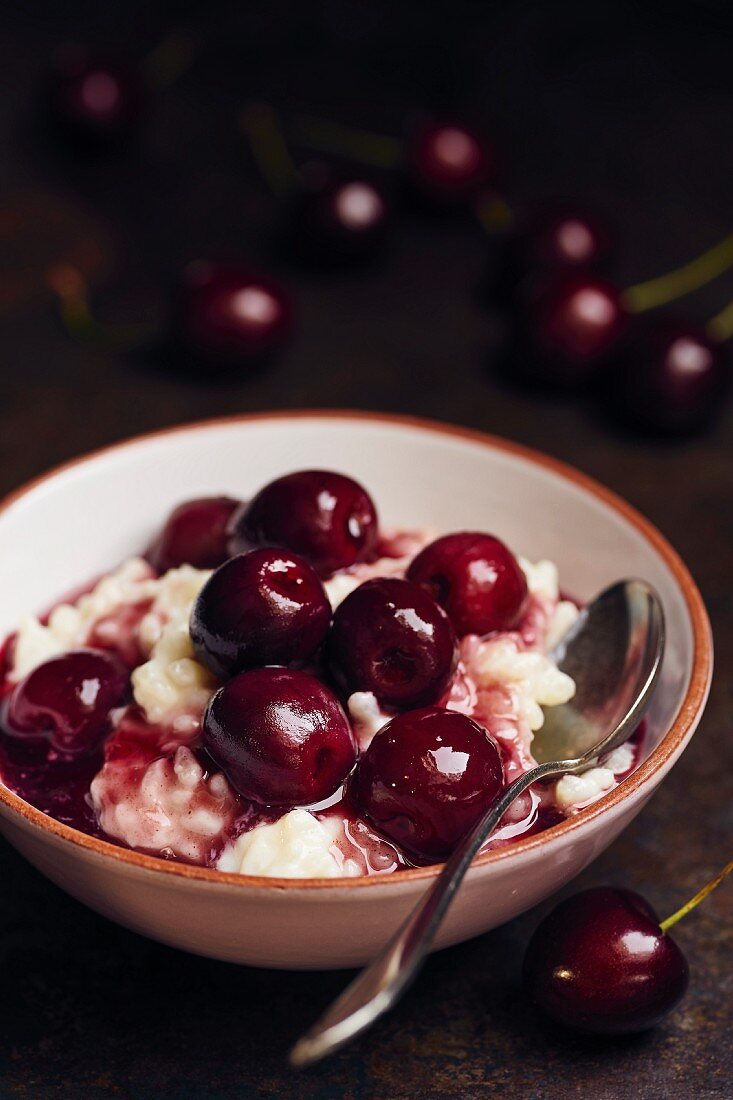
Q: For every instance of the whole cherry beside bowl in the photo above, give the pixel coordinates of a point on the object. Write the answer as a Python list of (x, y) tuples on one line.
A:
[(95, 99), (265, 607), (338, 218), (426, 779), (449, 161), (475, 578), (391, 638), (280, 736), (196, 533), (327, 518)]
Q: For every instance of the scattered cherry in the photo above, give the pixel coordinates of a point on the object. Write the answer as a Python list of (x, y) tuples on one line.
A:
[(65, 702), (390, 637), (674, 378), (427, 778), (600, 962), (449, 162), (266, 607), (338, 218), (326, 517), (230, 314), (475, 578), (567, 325), (195, 533), (96, 99), (281, 737)]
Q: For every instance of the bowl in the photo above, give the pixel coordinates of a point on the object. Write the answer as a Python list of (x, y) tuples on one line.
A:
[(82, 518)]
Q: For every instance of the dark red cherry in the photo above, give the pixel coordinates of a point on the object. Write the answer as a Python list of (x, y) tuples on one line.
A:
[(427, 778), (266, 607), (475, 578), (600, 962), (231, 314), (326, 517), (449, 162), (94, 98), (339, 218), (281, 737), (390, 637), (675, 379), (66, 701), (195, 533), (568, 325)]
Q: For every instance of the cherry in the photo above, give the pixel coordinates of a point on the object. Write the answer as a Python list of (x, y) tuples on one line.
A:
[(230, 314), (195, 533), (95, 99), (339, 218), (553, 239), (427, 778), (281, 737), (674, 378), (600, 962), (326, 517), (448, 162), (567, 325), (66, 701), (266, 607), (390, 637), (475, 578)]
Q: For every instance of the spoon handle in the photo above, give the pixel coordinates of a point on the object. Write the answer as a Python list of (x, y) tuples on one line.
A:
[(382, 982)]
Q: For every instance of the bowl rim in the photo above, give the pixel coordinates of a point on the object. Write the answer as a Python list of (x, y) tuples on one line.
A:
[(687, 716)]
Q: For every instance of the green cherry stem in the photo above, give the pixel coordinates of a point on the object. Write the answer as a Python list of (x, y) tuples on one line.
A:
[(683, 280), (693, 902), (71, 291), (720, 327), (260, 124), (333, 138), (170, 59)]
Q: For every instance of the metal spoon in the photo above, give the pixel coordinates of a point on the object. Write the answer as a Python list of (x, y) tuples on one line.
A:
[(614, 653)]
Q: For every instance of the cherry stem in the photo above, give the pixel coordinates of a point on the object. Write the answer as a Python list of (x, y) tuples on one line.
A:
[(335, 139), (170, 59), (260, 123), (693, 902), (683, 280), (72, 293), (494, 213), (720, 327)]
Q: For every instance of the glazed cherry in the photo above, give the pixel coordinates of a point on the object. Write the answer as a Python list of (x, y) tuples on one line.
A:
[(281, 737), (94, 98), (475, 578), (339, 218), (427, 778), (600, 962), (326, 517), (390, 637), (66, 701), (230, 314), (195, 533), (266, 607), (674, 378), (448, 162), (568, 325)]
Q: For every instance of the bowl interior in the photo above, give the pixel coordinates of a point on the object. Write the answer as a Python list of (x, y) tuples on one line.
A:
[(91, 515)]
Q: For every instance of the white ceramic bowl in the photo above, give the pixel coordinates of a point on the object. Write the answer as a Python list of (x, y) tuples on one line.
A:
[(87, 516)]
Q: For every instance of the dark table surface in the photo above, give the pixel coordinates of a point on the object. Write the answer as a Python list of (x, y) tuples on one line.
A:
[(627, 105)]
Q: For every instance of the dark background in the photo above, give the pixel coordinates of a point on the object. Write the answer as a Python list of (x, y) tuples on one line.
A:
[(627, 105)]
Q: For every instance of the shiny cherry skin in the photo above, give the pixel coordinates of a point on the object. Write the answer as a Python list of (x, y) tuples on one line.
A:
[(568, 325), (265, 607), (675, 379), (390, 637), (95, 99), (339, 218), (65, 702), (195, 533), (230, 314), (475, 578), (448, 162), (600, 962), (326, 517), (281, 737), (427, 778)]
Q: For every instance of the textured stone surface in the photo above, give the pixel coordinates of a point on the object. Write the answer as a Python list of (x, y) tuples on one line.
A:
[(626, 104)]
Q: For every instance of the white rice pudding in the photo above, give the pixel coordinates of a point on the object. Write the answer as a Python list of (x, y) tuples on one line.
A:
[(153, 793)]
